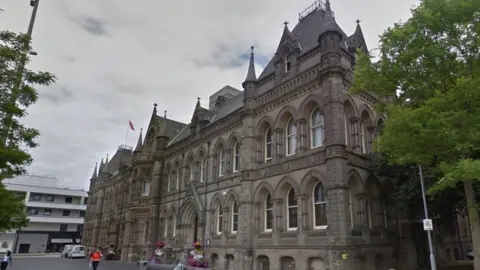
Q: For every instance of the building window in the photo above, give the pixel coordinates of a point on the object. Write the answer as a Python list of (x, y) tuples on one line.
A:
[(33, 211), (165, 231), (50, 198), (287, 63), (221, 165), (169, 181), (63, 227), (362, 137), (317, 128), (68, 199), (203, 166), (268, 213), (292, 218), (219, 220), (80, 228), (85, 201), (234, 217), (47, 212), (236, 157), (174, 225), (319, 207), (192, 172), (146, 188), (177, 180), (66, 213), (36, 197), (81, 214), (268, 144), (291, 137)]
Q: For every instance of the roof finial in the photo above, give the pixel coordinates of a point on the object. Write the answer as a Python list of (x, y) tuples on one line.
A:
[(285, 23), (357, 21), (165, 114), (198, 99), (155, 108), (251, 76), (327, 6)]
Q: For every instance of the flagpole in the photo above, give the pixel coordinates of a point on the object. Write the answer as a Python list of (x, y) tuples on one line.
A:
[(128, 129)]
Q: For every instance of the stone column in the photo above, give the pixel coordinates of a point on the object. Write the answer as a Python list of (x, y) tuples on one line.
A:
[(126, 249), (155, 192), (279, 143)]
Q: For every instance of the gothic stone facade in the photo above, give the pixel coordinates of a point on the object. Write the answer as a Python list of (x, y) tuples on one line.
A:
[(274, 177)]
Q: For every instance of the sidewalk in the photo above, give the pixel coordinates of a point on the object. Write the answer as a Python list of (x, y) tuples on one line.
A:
[(22, 255)]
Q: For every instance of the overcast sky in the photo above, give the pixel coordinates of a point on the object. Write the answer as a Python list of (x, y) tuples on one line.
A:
[(115, 58)]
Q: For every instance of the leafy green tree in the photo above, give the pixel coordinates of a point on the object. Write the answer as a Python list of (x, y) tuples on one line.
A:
[(428, 74), (12, 210), (17, 92)]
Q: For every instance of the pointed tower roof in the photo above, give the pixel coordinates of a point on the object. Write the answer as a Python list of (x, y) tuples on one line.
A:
[(198, 106), (95, 174), (287, 35), (105, 166), (138, 148), (154, 109), (358, 30), (251, 75), (100, 168), (329, 23)]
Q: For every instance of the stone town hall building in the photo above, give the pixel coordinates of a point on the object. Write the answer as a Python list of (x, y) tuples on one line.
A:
[(271, 177)]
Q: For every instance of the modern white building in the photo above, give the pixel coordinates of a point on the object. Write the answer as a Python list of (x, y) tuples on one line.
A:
[(56, 215)]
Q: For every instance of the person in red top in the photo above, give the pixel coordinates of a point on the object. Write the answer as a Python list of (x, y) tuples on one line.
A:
[(95, 258)]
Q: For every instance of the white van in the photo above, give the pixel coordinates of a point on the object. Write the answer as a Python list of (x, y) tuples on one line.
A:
[(77, 251), (65, 250)]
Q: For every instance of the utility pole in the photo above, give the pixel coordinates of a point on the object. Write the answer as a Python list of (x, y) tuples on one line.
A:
[(21, 67)]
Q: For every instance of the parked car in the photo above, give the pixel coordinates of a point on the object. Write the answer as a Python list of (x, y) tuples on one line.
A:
[(77, 252), (470, 253), (65, 250)]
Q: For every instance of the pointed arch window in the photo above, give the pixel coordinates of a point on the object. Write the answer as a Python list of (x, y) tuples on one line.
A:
[(268, 144), (234, 217), (203, 166), (363, 137), (219, 220), (319, 207), (236, 157), (177, 180), (287, 63), (268, 226), (192, 171), (317, 129), (174, 225), (291, 137), (222, 162), (292, 213)]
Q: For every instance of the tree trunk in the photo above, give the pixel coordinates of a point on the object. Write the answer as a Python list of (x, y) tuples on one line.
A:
[(474, 221)]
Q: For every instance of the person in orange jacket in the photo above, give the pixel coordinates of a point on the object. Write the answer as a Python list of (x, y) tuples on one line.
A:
[(95, 258)]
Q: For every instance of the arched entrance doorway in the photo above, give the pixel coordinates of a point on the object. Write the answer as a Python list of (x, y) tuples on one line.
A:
[(191, 222)]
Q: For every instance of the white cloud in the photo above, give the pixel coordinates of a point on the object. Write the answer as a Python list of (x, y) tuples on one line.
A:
[(141, 52)]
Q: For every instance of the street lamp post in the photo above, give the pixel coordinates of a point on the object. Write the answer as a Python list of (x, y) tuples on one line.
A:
[(21, 68), (429, 230)]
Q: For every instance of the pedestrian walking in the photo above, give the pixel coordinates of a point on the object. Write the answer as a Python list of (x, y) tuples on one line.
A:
[(6, 260), (95, 258)]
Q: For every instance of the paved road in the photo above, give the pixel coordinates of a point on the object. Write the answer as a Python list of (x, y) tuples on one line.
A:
[(53, 263)]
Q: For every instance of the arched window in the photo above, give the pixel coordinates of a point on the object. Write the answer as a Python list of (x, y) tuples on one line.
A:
[(291, 137), (192, 171), (268, 226), (346, 128), (317, 130), (177, 180), (219, 220), (203, 166), (174, 224), (236, 156), (292, 215), (165, 229), (221, 163), (268, 144), (234, 217), (319, 207), (287, 63), (145, 188), (363, 136)]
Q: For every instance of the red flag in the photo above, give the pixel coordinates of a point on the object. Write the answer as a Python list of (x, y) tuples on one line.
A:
[(131, 125)]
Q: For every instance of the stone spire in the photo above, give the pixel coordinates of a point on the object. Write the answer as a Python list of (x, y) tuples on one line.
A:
[(287, 35), (105, 166), (358, 31), (198, 106), (251, 76), (95, 174), (138, 148), (154, 109), (100, 168)]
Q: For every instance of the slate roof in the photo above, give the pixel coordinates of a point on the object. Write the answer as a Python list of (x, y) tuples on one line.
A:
[(306, 33)]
